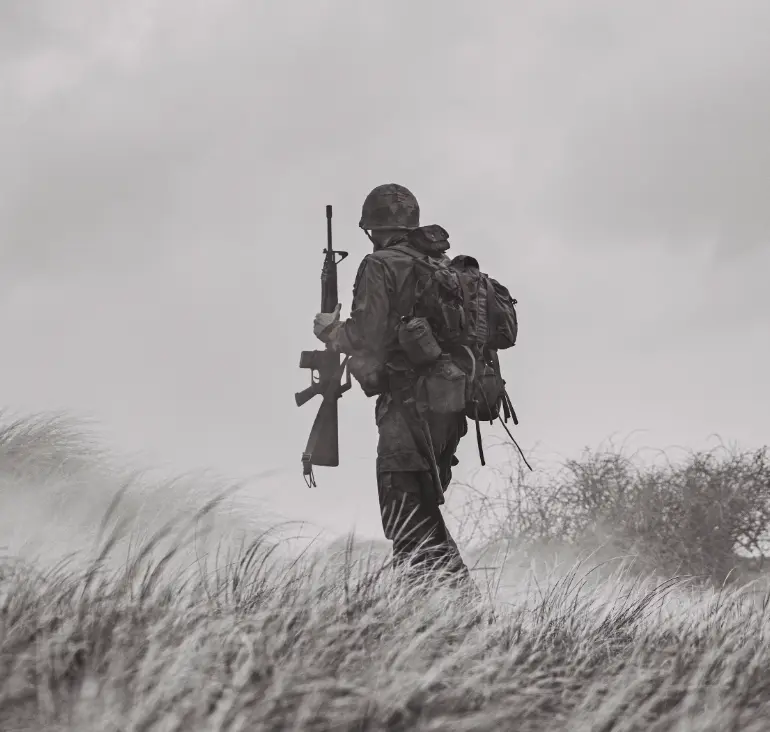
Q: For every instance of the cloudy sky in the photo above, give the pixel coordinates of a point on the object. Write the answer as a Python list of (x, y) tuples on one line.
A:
[(165, 166)]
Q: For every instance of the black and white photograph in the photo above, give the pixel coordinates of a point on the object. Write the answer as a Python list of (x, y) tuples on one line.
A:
[(384, 366)]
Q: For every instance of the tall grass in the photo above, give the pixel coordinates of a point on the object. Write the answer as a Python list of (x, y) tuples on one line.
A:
[(168, 633), (259, 642)]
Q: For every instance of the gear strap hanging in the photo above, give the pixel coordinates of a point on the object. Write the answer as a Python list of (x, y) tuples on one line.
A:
[(420, 432), (508, 413), (478, 441)]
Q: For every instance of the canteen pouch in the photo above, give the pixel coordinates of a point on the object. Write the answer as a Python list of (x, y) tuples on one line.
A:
[(487, 393), (445, 387)]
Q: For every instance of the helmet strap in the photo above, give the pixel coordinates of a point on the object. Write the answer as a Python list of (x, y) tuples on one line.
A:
[(371, 238), (376, 245)]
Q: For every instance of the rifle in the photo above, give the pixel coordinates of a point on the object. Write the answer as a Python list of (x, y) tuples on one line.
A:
[(325, 375)]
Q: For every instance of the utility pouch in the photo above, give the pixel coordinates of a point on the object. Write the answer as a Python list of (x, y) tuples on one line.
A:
[(445, 387), (416, 339), (368, 372), (486, 393)]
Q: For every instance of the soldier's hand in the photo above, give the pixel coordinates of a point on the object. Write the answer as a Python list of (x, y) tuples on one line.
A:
[(323, 323)]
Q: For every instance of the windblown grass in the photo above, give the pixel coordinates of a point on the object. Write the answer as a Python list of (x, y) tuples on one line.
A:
[(178, 632), (251, 641)]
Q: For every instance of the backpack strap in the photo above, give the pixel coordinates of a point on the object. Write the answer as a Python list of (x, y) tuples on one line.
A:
[(420, 259), (423, 259), (472, 358), (490, 309), (508, 406), (515, 443), (506, 410)]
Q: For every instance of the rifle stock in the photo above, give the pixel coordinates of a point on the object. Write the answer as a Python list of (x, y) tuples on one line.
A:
[(327, 371), (326, 449)]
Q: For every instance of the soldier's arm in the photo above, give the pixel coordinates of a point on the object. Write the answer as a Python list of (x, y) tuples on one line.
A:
[(366, 328)]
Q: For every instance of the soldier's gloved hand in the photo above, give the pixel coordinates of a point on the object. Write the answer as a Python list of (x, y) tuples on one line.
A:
[(324, 323)]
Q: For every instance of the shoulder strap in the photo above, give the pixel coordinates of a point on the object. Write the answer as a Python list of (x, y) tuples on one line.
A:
[(490, 306), (422, 259)]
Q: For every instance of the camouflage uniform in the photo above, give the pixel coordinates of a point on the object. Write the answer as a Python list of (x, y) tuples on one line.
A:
[(384, 287)]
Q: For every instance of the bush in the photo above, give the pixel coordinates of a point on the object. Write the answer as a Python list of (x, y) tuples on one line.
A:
[(695, 517)]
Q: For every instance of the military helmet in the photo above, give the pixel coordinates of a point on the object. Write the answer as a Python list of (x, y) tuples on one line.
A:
[(390, 206)]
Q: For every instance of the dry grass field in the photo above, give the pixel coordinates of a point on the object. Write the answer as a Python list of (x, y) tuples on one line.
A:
[(169, 630)]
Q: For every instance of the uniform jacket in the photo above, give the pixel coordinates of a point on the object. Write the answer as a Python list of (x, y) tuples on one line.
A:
[(383, 293)]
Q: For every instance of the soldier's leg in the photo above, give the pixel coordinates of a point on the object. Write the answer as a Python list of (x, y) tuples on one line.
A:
[(416, 531), (414, 524), (411, 518), (401, 472), (446, 432)]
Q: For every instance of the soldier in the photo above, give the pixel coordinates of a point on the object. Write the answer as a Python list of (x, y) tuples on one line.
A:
[(416, 448)]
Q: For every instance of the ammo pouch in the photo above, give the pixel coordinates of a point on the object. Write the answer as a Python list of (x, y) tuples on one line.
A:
[(445, 387), (417, 341), (369, 372)]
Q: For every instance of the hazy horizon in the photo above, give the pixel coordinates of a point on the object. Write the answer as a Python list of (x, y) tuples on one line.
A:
[(166, 167)]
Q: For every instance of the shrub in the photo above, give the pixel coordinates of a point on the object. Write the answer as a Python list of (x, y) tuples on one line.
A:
[(695, 516)]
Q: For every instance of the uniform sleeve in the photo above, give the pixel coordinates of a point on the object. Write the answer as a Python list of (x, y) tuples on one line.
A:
[(367, 327)]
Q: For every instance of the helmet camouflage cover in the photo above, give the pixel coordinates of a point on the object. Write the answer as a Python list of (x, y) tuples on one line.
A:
[(390, 206)]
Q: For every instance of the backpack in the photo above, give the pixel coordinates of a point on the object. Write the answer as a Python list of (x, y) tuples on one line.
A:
[(462, 305), (458, 309), (491, 325), (490, 309)]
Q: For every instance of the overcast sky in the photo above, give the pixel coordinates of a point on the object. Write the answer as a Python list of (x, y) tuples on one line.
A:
[(165, 166)]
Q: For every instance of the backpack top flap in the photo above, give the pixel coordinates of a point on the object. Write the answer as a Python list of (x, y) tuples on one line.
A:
[(432, 240)]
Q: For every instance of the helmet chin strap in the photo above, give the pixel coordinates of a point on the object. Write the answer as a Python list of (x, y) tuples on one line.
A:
[(395, 231), (371, 239)]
